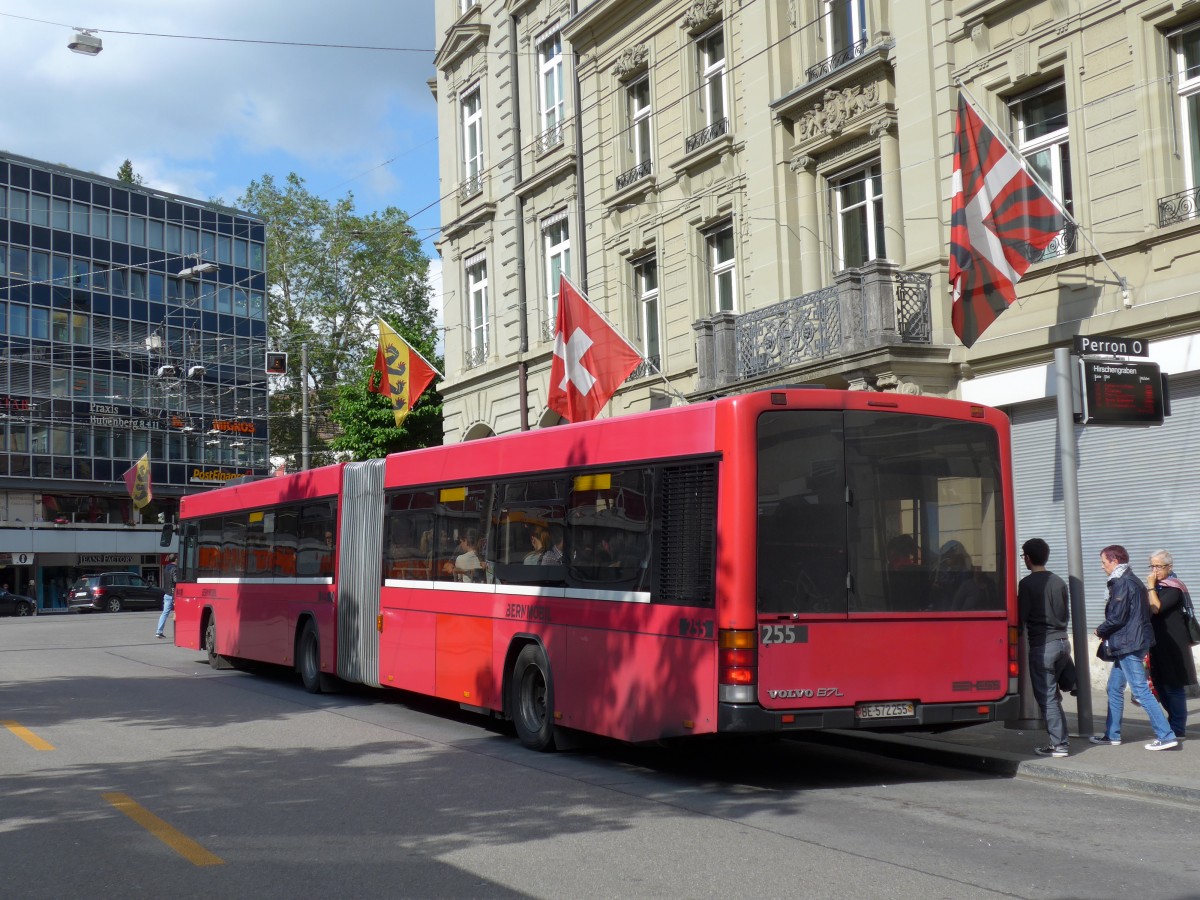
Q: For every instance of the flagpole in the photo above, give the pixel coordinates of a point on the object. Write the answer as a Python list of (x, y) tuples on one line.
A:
[(628, 343), (1002, 136)]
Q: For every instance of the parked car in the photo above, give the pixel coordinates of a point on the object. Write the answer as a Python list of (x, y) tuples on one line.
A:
[(113, 592), (16, 604)]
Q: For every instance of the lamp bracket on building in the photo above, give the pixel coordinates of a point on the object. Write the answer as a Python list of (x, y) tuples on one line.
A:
[(167, 372)]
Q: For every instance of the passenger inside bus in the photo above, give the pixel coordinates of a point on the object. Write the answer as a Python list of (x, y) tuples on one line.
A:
[(954, 583), (468, 565)]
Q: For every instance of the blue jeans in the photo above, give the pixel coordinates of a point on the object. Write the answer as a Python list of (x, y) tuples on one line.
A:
[(1131, 669), (168, 605), (1046, 662)]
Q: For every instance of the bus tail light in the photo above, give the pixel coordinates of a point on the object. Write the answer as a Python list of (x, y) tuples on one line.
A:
[(1014, 666), (737, 666)]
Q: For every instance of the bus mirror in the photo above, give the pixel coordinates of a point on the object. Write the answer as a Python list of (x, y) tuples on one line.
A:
[(168, 535)]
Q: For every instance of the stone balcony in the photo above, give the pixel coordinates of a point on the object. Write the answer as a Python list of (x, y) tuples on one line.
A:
[(873, 308)]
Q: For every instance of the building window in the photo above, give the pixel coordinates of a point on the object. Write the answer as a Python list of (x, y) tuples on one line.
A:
[(1187, 65), (711, 50), (845, 29), (477, 311), (556, 239), (637, 146), (550, 90), (858, 214), (722, 268), (1040, 130), (645, 279), (710, 93), (472, 125), (467, 5)]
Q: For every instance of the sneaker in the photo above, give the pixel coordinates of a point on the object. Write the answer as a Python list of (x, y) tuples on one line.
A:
[(159, 634), (1056, 752), (1162, 745), (1104, 739)]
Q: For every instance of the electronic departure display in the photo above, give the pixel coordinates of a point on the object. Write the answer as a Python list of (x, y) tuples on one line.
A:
[(1119, 392)]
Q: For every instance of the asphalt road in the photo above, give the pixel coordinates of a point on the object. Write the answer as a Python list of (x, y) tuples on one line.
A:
[(128, 768)]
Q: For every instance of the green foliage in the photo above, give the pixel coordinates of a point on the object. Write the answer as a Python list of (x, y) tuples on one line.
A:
[(368, 425), (330, 273), (126, 174)]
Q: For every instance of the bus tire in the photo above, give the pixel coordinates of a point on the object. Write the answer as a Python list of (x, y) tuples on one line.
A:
[(210, 645), (532, 699), (308, 659)]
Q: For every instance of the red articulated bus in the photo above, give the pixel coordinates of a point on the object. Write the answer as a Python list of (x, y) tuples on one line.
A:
[(786, 559)]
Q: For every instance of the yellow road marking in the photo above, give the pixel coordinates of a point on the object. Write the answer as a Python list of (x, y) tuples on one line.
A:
[(27, 736), (180, 843)]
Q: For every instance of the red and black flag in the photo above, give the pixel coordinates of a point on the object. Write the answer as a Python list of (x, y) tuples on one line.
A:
[(1000, 220)]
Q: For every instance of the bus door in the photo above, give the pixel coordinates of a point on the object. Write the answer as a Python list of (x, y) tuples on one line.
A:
[(881, 573)]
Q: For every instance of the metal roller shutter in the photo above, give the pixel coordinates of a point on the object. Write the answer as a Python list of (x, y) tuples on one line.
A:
[(1138, 487)]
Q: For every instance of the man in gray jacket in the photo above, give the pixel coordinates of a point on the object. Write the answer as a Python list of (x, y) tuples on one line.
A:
[(1128, 636)]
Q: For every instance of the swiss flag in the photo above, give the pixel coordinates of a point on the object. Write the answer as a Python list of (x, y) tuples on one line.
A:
[(590, 358), (1000, 220)]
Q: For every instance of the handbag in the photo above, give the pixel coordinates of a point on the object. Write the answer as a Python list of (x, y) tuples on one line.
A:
[(1103, 653), (1189, 615)]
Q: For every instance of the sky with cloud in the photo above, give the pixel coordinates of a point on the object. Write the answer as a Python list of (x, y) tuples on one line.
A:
[(204, 98)]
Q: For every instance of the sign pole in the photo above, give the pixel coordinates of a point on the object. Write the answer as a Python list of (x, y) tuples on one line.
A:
[(1068, 460)]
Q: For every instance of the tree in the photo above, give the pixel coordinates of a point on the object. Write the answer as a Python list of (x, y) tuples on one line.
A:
[(127, 175), (330, 273)]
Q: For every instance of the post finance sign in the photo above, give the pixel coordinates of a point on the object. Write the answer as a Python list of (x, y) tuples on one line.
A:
[(214, 476)]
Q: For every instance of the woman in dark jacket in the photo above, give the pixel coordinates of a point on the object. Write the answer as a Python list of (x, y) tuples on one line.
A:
[(1172, 666)]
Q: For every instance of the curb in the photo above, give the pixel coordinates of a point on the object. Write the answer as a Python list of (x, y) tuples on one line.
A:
[(999, 763)]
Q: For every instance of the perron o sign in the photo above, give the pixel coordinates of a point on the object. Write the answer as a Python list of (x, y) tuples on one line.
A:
[(1102, 345), (1118, 392)]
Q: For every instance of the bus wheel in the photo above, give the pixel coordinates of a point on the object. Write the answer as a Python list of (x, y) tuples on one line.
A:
[(210, 645), (308, 659), (532, 699)]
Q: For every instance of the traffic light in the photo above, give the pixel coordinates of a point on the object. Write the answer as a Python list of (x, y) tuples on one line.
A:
[(276, 363)]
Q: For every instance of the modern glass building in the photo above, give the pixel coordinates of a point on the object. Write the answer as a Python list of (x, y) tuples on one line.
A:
[(131, 322)]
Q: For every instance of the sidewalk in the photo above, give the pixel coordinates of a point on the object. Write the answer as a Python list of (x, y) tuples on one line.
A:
[(999, 750)]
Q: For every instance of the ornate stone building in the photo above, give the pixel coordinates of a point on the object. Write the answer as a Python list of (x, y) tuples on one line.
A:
[(758, 192)]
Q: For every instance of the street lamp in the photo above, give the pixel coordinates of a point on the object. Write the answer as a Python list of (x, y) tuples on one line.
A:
[(197, 270), (85, 42)]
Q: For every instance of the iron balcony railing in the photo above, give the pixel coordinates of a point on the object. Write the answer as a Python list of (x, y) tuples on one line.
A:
[(648, 366), (475, 356), (835, 62), (711, 133), (825, 323), (638, 172), (1178, 207), (549, 139), (471, 185), (1064, 242)]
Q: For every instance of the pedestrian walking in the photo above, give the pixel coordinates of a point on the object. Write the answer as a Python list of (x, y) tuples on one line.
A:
[(1172, 666), (1127, 635), (170, 577), (1044, 612)]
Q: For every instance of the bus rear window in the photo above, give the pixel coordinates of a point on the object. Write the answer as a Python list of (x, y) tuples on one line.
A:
[(879, 512)]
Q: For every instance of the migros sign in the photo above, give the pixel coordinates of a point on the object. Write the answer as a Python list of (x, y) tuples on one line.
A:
[(234, 427)]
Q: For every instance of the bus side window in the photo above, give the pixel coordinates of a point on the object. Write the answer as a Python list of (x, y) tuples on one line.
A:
[(408, 536)]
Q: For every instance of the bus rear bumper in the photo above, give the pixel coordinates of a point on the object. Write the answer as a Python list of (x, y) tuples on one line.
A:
[(750, 718)]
